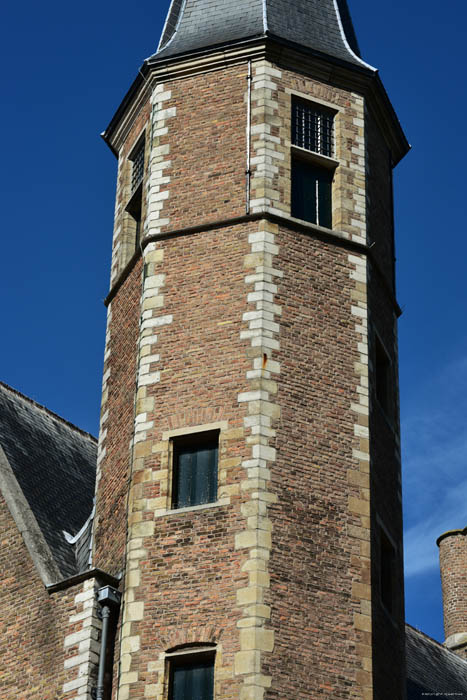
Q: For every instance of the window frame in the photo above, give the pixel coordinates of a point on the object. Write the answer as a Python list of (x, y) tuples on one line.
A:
[(135, 205), (320, 111), (191, 440), (189, 655), (301, 157), (139, 148)]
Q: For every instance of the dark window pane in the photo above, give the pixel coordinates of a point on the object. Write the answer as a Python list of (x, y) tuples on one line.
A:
[(311, 193), (134, 207), (192, 681), (304, 191), (324, 199), (195, 471)]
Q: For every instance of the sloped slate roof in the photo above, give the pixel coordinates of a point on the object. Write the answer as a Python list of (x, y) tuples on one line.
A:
[(433, 670), (54, 464), (321, 25)]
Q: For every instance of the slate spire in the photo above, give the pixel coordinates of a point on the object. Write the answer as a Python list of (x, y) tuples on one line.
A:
[(324, 26)]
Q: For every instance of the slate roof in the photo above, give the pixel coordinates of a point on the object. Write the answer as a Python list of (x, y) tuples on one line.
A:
[(324, 26), (433, 670), (54, 464)]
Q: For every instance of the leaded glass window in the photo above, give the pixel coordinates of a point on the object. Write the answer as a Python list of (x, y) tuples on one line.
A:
[(195, 469), (312, 127)]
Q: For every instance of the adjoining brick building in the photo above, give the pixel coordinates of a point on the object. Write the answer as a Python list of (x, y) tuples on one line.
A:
[(246, 538)]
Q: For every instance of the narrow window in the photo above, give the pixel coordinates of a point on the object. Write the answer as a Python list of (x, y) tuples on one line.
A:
[(195, 469), (191, 677), (137, 170), (383, 384), (387, 559), (134, 206), (312, 174)]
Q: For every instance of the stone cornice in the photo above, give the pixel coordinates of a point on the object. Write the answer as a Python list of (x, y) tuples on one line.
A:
[(285, 54), (336, 237), (450, 533), (102, 576)]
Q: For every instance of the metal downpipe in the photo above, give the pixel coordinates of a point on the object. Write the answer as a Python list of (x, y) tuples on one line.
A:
[(248, 140), (104, 636)]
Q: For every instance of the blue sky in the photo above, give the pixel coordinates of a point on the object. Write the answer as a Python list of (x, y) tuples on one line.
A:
[(64, 69)]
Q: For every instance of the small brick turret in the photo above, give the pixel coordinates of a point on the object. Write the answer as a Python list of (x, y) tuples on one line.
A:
[(453, 564)]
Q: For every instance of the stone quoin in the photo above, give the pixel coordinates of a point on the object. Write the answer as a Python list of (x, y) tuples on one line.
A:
[(244, 537)]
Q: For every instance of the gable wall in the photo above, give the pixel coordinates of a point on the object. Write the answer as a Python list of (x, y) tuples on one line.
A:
[(46, 641)]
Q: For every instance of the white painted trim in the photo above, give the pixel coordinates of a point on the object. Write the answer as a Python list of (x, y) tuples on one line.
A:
[(189, 509), (182, 10), (265, 17), (347, 45), (202, 649), (165, 25)]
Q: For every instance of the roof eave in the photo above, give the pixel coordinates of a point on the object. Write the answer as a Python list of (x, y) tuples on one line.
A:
[(360, 77), (160, 62)]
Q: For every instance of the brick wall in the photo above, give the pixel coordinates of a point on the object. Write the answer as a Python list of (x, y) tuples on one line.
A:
[(265, 332), (46, 640), (315, 553), (207, 148), (117, 421), (453, 562)]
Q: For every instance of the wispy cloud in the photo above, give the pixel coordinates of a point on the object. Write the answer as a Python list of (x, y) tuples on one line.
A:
[(434, 431)]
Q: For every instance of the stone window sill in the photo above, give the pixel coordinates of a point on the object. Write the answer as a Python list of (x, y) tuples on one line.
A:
[(193, 509)]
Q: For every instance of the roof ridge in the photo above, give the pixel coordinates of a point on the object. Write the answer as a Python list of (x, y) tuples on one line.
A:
[(47, 410), (435, 641)]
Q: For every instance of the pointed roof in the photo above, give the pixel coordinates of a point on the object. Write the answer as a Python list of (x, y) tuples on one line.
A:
[(324, 26), (47, 476)]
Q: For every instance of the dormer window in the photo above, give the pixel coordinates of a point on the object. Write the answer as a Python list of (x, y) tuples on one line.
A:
[(313, 164)]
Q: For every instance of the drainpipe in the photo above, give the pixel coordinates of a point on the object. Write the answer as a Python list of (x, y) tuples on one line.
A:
[(248, 140), (109, 599)]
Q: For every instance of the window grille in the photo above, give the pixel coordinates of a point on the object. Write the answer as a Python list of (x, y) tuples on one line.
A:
[(138, 168), (312, 128)]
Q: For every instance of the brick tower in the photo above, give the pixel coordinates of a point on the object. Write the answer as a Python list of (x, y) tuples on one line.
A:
[(249, 471)]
